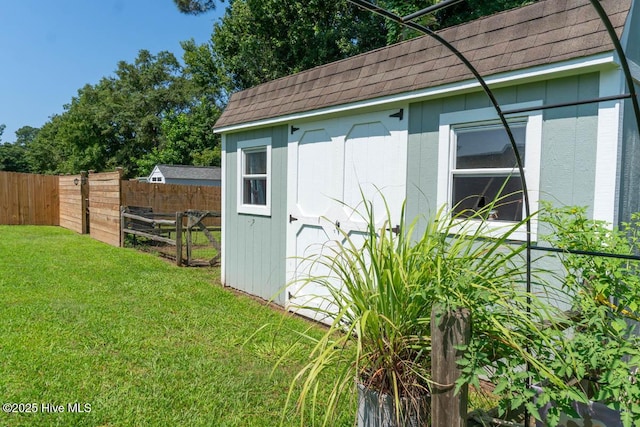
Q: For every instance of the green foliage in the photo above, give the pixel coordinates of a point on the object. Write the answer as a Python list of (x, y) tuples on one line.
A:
[(188, 140), (587, 352), (473, 9), (13, 158), (257, 40), (195, 7), (605, 347), (382, 293), (123, 121)]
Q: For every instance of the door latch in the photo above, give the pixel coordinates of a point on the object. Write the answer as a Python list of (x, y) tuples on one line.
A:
[(395, 230)]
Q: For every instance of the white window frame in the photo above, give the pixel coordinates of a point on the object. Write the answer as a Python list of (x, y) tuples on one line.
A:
[(488, 116), (247, 147)]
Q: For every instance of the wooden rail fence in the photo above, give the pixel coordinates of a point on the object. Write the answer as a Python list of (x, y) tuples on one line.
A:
[(143, 222)]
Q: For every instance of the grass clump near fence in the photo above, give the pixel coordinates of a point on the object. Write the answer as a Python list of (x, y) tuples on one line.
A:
[(139, 340)]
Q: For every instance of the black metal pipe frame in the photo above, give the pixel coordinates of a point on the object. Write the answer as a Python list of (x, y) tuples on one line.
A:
[(373, 8), (433, 8), (618, 47)]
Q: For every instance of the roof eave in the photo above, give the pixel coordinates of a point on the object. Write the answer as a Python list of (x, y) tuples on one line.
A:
[(574, 66)]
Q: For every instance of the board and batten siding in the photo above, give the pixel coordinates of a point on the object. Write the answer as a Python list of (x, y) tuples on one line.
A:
[(255, 245), (569, 141)]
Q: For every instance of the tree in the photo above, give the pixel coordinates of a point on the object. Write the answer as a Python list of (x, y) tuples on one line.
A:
[(2, 128), (261, 40), (13, 156), (47, 153), (117, 121), (473, 9), (25, 135), (195, 7)]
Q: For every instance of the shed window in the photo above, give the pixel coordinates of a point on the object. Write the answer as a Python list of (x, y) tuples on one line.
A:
[(476, 164), (254, 177), (485, 168), (254, 192)]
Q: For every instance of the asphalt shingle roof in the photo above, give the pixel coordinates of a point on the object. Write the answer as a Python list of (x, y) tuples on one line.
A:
[(190, 172), (545, 32)]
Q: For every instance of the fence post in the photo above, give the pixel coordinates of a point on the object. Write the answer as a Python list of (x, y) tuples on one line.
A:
[(122, 226), (179, 238), (449, 329)]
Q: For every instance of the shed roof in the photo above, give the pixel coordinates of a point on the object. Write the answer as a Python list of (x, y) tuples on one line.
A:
[(190, 172), (542, 33)]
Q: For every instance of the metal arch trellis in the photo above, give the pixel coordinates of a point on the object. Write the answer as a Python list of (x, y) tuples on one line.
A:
[(407, 21)]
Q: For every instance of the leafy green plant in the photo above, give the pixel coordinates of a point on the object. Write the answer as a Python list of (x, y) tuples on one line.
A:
[(584, 351), (605, 290)]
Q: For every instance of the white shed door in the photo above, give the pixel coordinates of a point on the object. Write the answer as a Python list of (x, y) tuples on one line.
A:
[(332, 164)]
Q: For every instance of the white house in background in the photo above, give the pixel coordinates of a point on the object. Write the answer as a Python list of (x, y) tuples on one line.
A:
[(411, 121), (186, 175)]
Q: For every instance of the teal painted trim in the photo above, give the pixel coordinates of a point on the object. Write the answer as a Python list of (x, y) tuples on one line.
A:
[(255, 245)]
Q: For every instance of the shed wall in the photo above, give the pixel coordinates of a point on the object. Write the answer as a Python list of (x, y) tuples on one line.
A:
[(255, 245), (569, 140)]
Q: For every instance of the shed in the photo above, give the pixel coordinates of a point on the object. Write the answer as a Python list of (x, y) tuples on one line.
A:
[(186, 175), (409, 121)]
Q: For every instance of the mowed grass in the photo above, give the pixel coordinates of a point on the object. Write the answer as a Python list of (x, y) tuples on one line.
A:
[(141, 341)]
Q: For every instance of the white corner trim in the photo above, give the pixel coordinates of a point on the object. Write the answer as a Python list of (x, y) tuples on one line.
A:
[(512, 77), (223, 215), (608, 139)]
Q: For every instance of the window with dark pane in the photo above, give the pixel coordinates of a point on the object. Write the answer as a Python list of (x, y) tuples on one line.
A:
[(485, 169)]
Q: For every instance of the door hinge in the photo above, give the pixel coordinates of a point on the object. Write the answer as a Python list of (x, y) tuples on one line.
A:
[(399, 115), (292, 218)]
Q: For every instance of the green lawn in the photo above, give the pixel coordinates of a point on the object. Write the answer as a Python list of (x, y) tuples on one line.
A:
[(141, 341)]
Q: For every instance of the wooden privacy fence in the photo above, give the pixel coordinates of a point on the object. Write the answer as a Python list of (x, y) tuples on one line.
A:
[(74, 199), (171, 197), (90, 203), (28, 199), (104, 206)]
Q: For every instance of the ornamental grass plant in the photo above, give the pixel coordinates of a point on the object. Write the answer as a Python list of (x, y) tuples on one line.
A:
[(543, 326), (382, 289)]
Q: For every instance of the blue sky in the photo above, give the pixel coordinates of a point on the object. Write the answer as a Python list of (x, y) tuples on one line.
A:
[(50, 49)]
